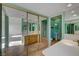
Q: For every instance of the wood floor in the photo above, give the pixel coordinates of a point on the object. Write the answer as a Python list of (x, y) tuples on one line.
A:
[(31, 50)]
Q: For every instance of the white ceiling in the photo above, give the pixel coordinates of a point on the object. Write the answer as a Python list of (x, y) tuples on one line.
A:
[(47, 9)]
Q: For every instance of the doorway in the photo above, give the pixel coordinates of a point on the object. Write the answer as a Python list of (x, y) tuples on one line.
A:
[(15, 32), (44, 29), (56, 28)]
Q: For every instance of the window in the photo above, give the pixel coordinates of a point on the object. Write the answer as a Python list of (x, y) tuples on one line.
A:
[(70, 28)]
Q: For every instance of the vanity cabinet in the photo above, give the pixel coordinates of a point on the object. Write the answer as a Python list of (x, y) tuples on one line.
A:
[(31, 39)]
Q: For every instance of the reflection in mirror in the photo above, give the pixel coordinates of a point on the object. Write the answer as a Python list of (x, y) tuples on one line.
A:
[(72, 21), (72, 24), (32, 26)]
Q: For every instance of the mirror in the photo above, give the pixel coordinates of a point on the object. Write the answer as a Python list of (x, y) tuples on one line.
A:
[(72, 21), (32, 26)]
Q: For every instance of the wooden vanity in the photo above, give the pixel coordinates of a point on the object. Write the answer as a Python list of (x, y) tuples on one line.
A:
[(31, 39)]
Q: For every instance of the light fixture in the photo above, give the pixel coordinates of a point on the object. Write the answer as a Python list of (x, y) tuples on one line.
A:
[(69, 5), (74, 14), (55, 24), (72, 11)]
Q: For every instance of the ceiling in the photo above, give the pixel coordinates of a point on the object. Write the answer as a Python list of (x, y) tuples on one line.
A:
[(72, 14), (47, 9)]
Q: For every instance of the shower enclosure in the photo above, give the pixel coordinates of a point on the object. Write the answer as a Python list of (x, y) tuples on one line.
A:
[(56, 27)]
